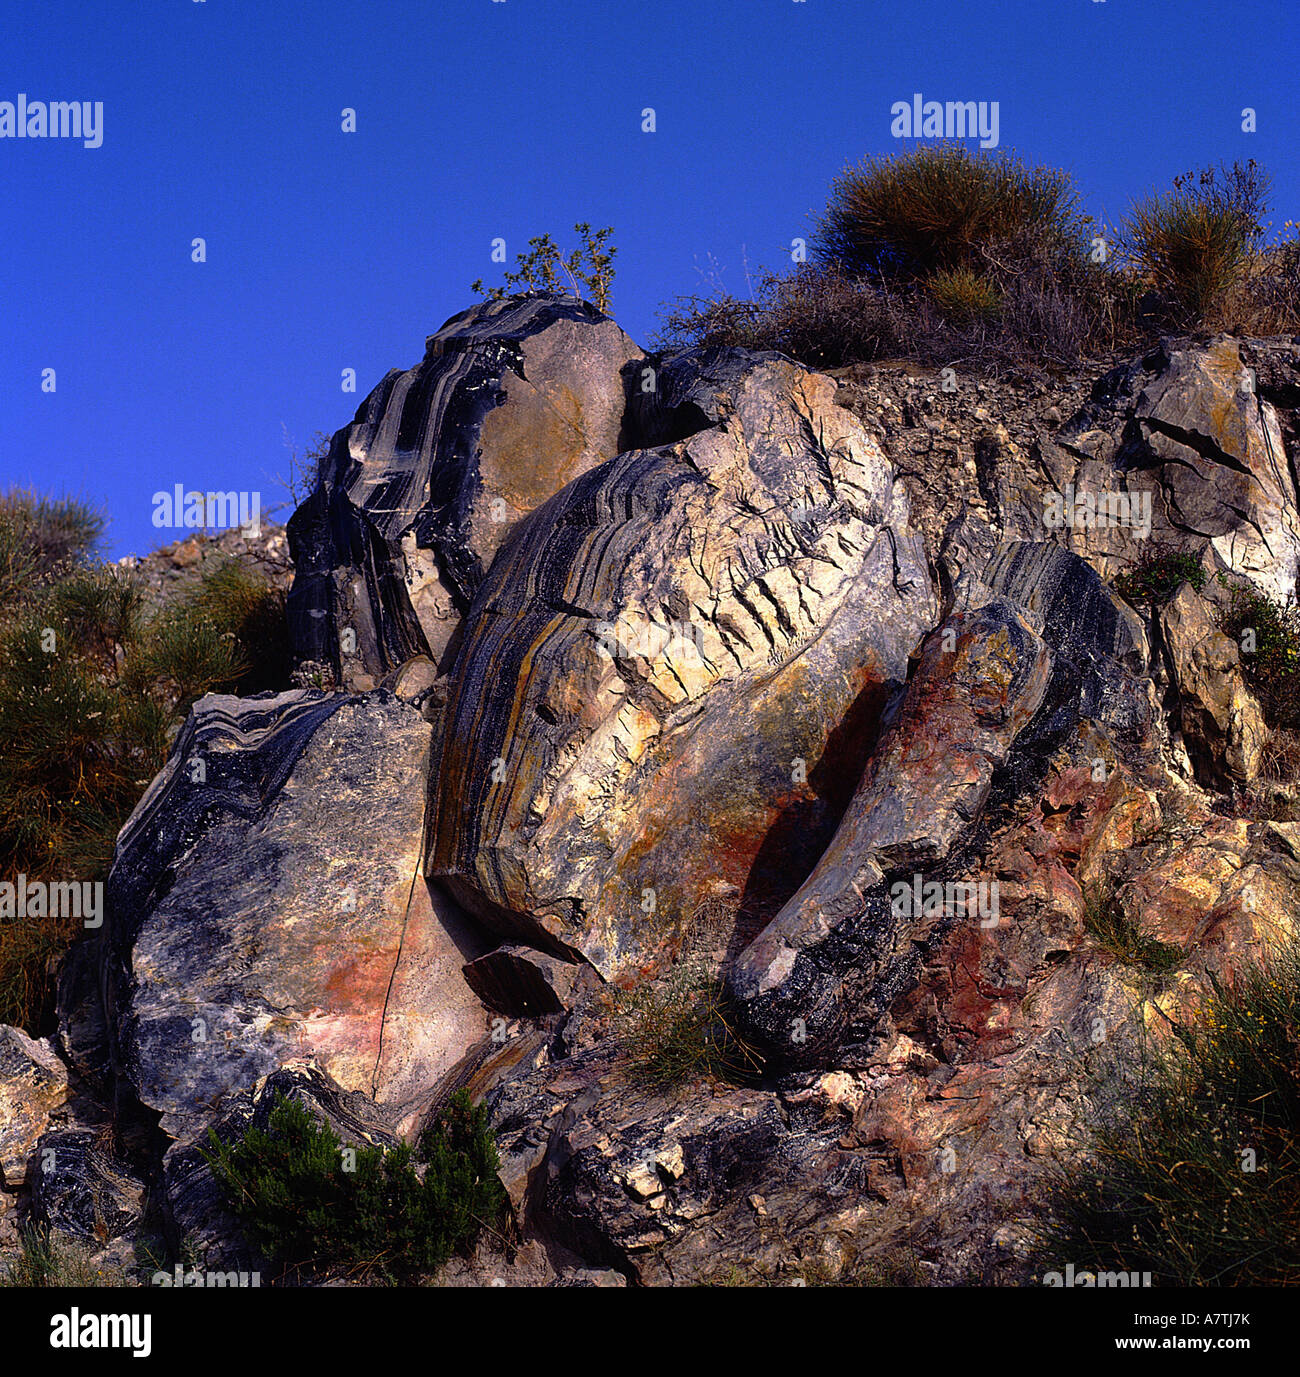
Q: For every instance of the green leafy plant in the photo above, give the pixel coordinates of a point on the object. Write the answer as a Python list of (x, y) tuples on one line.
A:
[(1267, 632), (544, 268), (1156, 576), (1194, 1171), (397, 1214)]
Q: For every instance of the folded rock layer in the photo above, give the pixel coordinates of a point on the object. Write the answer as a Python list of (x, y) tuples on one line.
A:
[(659, 658)]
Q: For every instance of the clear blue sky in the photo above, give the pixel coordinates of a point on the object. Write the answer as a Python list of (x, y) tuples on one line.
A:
[(328, 250)]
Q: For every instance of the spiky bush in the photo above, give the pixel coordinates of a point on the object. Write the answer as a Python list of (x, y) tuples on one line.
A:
[(41, 538), (1194, 1172), (940, 207), (965, 295), (681, 1028), (1194, 245), (397, 1214)]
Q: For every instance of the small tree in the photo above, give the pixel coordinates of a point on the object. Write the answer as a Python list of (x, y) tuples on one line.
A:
[(543, 268)]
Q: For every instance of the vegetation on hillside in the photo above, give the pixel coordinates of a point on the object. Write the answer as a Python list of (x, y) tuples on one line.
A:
[(947, 256), (93, 687), (1193, 1173)]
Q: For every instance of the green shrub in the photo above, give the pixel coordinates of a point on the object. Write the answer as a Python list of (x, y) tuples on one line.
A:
[(40, 539), (1267, 634), (544, 268), (940, 207), (1119, 935), (964, 294), (92, 688), (398, 1214), (1157, 575), (1194, 1172)]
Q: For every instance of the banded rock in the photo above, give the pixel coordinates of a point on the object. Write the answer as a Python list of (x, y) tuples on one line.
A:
[(645, 708), (266, 903), (514, 398)]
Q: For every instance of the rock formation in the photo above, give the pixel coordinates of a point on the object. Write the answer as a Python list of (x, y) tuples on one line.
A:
[(702, 661)]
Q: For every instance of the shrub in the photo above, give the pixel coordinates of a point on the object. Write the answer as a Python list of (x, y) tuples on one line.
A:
[(543, 268), (1266, 300), (91, 691), (940, 207), (396, 1215), (1156, 576), (1194, 245), (1268, 635), (965, 295), (681, 1029), (40, 538), (1194, 1172), (1119, 935)]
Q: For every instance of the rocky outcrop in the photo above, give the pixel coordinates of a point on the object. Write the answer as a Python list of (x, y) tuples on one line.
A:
[(683, 669), (647, 709), (512, 401), (844, 936), (267, 902), (1182, 449)]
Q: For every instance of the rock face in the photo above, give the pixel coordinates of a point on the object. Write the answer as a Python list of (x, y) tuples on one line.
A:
[(655, 668), (33, 1084), (267, 902), (1183, 449), (1222, 725), (512, 400)]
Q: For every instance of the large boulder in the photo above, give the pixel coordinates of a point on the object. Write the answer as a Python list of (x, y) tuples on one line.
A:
[(514, 398), (1051, 662), (672, 672), (267, 902), (980, 680)]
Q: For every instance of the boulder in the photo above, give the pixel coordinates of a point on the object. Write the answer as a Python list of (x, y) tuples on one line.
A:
[(514, 398), (83, 1186), (522, 983), (266, 902), (1222, 725), (671, 674), (1223, 467)]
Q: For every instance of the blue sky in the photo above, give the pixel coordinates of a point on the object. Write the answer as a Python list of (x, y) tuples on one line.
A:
[(329, 250)]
